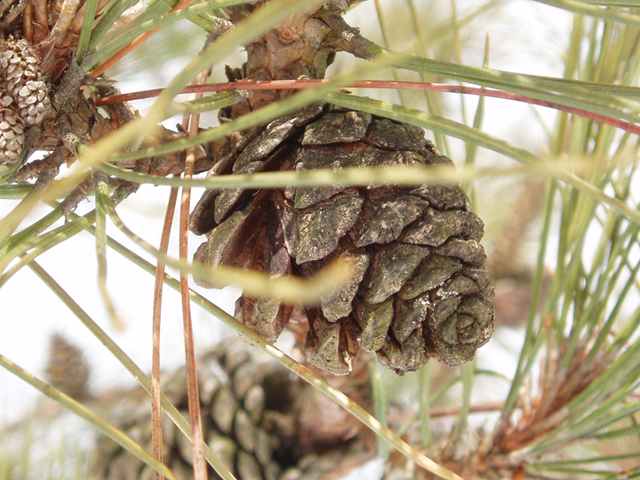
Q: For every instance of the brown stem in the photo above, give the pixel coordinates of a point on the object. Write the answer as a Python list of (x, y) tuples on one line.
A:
[(41, 19), (156, 410), (199, 465), (350, 39), (432, 87), (451, 411), (27, 23)]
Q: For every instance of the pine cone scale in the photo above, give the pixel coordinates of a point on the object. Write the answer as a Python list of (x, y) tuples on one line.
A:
[(274, 135), (339, 303), (432, 273), (409, 316), (285, 219), (394, 136), (375, 321), (223, 242), (442, 197), (434, 228), (330, 344), (321, 227), (388, 219), (390, 269), (337, 127)]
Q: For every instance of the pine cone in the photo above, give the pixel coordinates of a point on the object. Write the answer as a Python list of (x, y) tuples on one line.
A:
[(256, 419), (11, 133), (421, 289), (66, 368), (23, 80)]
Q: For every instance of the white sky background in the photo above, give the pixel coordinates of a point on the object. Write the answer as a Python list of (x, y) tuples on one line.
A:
[(528, 38)]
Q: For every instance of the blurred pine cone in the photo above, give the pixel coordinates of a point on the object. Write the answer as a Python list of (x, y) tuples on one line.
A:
[(66, 368), (421, 288), (257, 418)]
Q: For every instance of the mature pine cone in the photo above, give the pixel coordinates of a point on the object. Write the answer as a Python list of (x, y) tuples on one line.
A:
[(258, 419), (23, 79), (66, 368), (421, 289)]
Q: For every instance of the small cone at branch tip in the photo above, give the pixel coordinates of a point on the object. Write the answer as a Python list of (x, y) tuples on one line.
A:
[(420, 288), (24, 96), (24, 81)]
